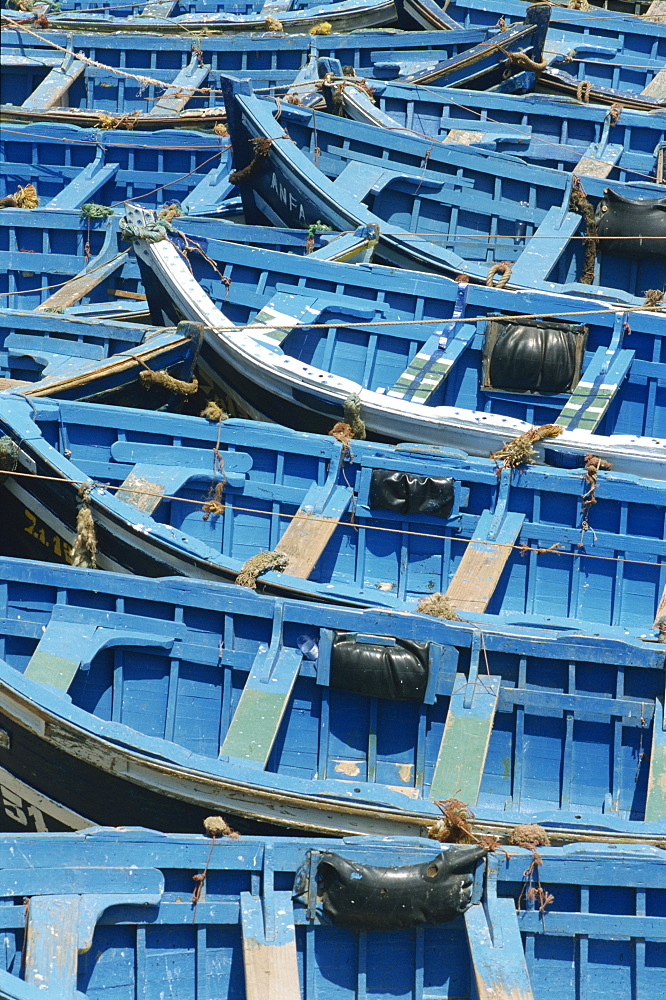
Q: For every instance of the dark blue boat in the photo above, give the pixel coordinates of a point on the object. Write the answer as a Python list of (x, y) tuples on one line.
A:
[(70, 358), (152, 88), (125, 700), (429, 360), (132, 910), (70, 166), (173, 494), (451, 210), (83, 267), (624, 145)]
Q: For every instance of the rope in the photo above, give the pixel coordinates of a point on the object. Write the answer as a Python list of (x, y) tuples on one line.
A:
[(504, 269), (150, 378), (272, 24), (90, 484), (519, 452), (24, 197), (323, 28), (93, 211), (261, 563), (262, 148), (579, 203), (654, 298), (9, 452), (583, 91), (524, 61), (352, 417), (150, 232), (84, 550), (438, 606)]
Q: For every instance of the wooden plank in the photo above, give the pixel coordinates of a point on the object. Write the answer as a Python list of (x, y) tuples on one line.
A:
[(655, 806), (180, 91), (146, 485), (271, 967), (57, 657), (431, 365), (483, 563), (498, 957), (51, 955), (82, 284), (464, 747), (463, 136), (656, 88), (661, 609), (82, 188), (262, 705), (12, 383), (593, 394), (312, 527), (543, 250), (656, 11), (51, 91), (598, 163)]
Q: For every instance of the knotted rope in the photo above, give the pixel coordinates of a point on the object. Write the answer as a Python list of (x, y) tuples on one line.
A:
[(149, 232), (262, 147), (438, 606), (502, 268), (84, 551), (352, 416), (24, 197), (93, 211), (583, 91), (654, 298), (261, 563), (579, 203), (519, 452), (151, 378)]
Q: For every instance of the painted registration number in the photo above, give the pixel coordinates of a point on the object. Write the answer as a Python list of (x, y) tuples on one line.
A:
[(61, 549)]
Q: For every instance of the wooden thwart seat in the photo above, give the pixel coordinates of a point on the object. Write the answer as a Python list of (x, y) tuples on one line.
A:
[(481, 567), (181, 90), (269, 956), (496, 947), (263, 702), (598, 384), (655, 806), (51, 91), (69, 642), (313, 525), (464, 747)]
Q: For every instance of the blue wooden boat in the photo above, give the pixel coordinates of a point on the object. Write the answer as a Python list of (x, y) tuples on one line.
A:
[(70, 358), (125, 700), (151, 88), (82, 267), (552, 133), (645, 36), (218, 16), (140, 909), (430, 360), (179, 495), (70, 166), (516, 219)]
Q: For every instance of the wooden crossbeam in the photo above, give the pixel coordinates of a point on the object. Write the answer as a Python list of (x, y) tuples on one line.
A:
[(83, 283), (180, 91), (85, 185), (51, 91), (59, 652), (271, 966), (656, 88), (498, 956), (464, 747), (259, 713), (597, 162), (312, 527), (482, 565), (655, 806), (543, 250), (599, 382)]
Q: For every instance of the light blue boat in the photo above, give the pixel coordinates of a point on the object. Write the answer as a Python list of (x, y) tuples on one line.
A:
[(449, 209), (117, 909), (127, 700)]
